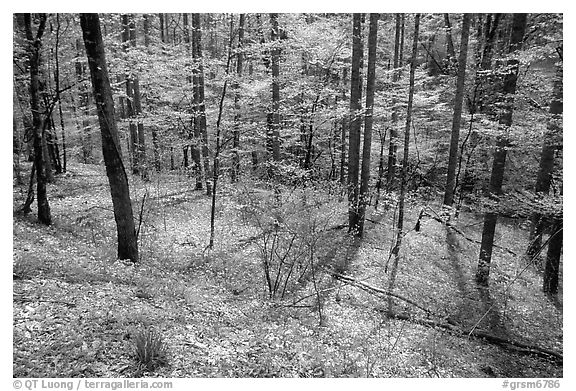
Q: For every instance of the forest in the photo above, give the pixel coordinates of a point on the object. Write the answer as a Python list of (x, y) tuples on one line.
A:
[(287, 195)]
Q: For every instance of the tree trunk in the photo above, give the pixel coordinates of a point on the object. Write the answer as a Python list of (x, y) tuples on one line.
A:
[(369, 119), (216, 164), (393, 147), (458, 100), (355, 123), (143, 168), (38, 123), (127, 240), (274, 130), (499, 162), (127, 26), (343, 126), (404, 174), (201, 106), (162, 28), (57, 82), (236, 87), (546, 167), (155, 141)]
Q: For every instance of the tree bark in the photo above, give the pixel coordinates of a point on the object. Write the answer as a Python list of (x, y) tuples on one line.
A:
[(369, 120), (355, 123), (39, 124), (458, 100), (127, 240), (499, 161)]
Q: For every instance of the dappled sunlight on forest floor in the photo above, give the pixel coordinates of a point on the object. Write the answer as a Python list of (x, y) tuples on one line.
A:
[(77, 309)]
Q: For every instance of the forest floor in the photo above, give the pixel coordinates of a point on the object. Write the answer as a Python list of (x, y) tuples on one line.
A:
[(77, 309)]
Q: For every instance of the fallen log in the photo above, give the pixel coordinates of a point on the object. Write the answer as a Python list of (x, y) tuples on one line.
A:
[(377, 291), (516, 346)]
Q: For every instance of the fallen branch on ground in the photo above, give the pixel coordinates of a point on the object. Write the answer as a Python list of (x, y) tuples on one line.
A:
[(516, 346), (376, 291)]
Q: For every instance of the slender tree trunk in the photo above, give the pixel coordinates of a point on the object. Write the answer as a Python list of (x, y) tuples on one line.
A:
[(546, 167), (235, 172), (499, 162), (216, 164), (380, 169), (393, 147), (369, 119), (201, 113), (404, 173), (355, 124), (141, 134), (38, 123), (154, 131), (275, 113), (57, 81), (193, 130), (127, 26), (162, 28), (343, 126), (458, 100), (127, 240)]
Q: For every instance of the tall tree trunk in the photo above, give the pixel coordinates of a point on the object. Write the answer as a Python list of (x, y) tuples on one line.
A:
[(369, 120), (141, 135), (57, 81), (127, 240), (161, 17), (39, 125), (236, 87), (355, 123), (191, 79), (216, 164), (274, 130), (393, 147), (546, 167), (343, 126), (127, 26), (404, 174), (201, 106), (499, 162), (458, 100), (155, 142)]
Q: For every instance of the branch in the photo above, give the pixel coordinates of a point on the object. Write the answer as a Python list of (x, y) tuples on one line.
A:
[(375, 291), (510, 344)]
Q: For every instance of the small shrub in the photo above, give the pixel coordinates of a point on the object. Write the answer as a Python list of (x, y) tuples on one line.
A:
[(149, 349)]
